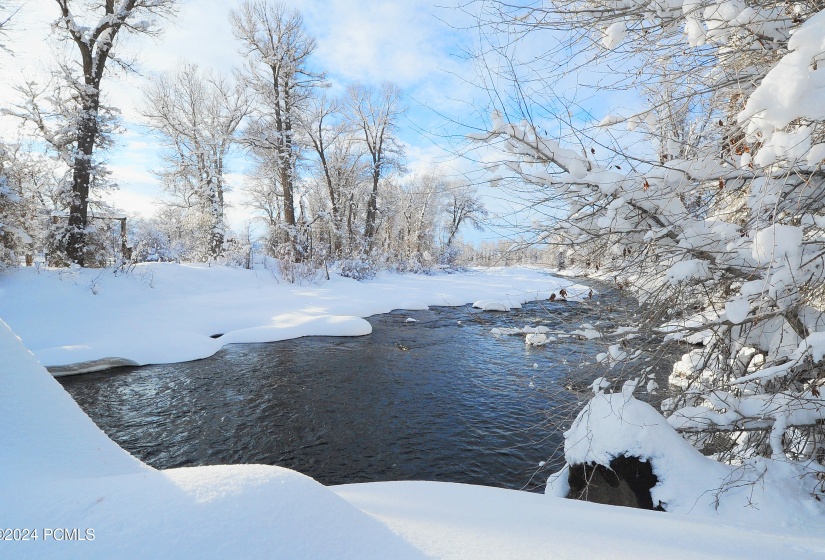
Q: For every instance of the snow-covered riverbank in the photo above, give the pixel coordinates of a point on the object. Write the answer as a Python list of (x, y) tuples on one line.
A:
[(60, 476), (165, 312), (66, 482)]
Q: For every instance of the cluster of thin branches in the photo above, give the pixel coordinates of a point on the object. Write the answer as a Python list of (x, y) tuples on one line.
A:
[(712, 218)]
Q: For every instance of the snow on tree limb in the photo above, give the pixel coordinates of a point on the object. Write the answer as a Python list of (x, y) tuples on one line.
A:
[(716, 213)]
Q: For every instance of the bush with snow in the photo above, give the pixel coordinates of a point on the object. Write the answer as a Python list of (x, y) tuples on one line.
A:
[(711, 205), (618, 425)]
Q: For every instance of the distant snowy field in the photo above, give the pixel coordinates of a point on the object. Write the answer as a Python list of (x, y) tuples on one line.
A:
[(60, 475), (166, 312)]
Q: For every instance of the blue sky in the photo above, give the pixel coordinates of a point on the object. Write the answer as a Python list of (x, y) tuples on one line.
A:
[(404, 41), (408, 42)]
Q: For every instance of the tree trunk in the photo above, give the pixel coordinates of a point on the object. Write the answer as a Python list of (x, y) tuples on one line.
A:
[(335, 239), (217, 234), (372, 210), (289, 202), (81, 177), (350, 233)]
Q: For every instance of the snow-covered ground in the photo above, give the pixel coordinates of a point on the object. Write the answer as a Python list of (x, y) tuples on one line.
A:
[(166, 312), (64, 479)]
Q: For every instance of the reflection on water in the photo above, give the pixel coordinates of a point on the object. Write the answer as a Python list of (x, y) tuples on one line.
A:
[(438, 399)]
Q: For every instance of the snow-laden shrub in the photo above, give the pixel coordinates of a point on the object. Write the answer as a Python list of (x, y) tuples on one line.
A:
[(101, 246), (11, 240), (150, 242), (236, 252), (706, 202), (357, 268), (174, 235), (21, 226)]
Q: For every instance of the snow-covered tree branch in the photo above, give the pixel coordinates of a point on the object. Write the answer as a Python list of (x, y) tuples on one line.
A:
[(70, 112), (708, 199)]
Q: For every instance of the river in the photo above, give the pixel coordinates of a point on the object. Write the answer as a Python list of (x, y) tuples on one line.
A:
[(440, 398)]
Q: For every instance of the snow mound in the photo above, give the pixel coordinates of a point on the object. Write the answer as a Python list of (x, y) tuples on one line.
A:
[(761, 490), (491, 305), (59, 470), (536, 339), (291, 326), (587, 332)]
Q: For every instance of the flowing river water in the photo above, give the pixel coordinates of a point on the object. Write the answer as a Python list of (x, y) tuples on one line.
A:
[(440, 398)]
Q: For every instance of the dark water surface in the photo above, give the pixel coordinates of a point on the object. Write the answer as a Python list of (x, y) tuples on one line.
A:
[(438, 399)]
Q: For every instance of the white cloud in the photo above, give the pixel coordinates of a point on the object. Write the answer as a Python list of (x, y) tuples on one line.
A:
[(367, 41), (377, 41), (133, 202)]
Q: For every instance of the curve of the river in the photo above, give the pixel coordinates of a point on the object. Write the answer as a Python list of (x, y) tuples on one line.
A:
[(440, 398)]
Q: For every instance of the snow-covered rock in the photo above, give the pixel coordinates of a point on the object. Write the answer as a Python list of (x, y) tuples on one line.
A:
[(614, 425), (491, 305), (536, 339)]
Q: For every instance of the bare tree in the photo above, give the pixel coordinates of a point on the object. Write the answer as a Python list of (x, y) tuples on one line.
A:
[(197, 115), (463, 206), (277, 48), (94, 45), (374, 114), (336, 165), (347, 171), (263, 195)]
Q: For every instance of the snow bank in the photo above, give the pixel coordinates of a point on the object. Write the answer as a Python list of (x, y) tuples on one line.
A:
[(58, 470), (458, 521), (761, 490), (165, 312)]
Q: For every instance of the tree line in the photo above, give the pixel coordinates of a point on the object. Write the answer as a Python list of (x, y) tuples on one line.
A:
[(328, 178)]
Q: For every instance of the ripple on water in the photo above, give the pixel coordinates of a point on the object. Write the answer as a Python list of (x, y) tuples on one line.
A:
[(430, 400)]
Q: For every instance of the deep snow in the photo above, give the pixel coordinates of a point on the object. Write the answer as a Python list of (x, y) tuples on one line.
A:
[(58, 470), (166, 312)]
